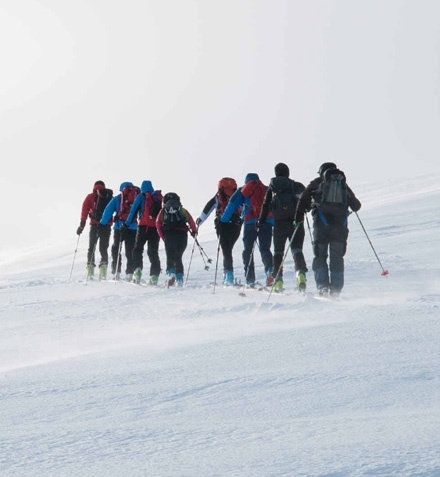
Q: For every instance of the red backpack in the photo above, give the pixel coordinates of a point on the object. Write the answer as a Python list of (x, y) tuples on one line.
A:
[(256, 191), (152, 206), (128, 195), (226, 187)]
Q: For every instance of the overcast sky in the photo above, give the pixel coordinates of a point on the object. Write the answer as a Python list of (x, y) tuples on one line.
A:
[(184, 92)]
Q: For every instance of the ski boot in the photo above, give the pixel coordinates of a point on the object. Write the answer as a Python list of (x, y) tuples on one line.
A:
[(301, 281), (323, 291), (172, 278), (137, 275), (90, 271), (103, 271), (153, 280), (228, 278), (278, 287), (179, 279)]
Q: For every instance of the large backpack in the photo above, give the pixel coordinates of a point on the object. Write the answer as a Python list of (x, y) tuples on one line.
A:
[(128, 195), (152, 206), (103, 197), (255, 190), (332, 195), (173, 215), (226, 187), (284, 200)]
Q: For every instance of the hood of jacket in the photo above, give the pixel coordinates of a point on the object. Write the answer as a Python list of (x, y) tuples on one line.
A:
[(147, 186), (252, 176), (124, 184)]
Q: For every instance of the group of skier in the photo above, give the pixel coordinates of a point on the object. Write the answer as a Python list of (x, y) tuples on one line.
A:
[(142, 216)]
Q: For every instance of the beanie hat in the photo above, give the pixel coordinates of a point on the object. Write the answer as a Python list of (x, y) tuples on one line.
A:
[(101, 183), (282, 170)]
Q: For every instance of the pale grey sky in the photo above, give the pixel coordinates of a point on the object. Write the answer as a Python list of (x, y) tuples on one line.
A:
[(183, 92)]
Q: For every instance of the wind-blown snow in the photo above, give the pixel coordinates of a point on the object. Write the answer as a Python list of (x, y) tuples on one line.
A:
[(115, 379)]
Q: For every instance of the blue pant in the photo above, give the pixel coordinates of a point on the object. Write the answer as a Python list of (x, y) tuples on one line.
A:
[(261, 238)]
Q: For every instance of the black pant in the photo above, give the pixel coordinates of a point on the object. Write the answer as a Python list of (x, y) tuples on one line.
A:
[(329, 240), (147, 235), (101, 233), (175, 244), (282, 232), (228, 234), (128, 237)]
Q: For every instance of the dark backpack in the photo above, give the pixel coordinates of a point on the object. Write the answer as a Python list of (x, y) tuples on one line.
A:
[(332, 195), (104, 196), (128, 195), (284, 200), (173, 216)]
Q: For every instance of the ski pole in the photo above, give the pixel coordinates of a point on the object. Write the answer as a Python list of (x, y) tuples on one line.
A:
[(203, 254), (74, 257), (310, 232), (216, 264), (190, 261), (282, 262), (202, 251), (384, 272)]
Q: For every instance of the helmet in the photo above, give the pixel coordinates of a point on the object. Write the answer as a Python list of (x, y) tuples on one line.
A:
[(170, 196), (325, 166)]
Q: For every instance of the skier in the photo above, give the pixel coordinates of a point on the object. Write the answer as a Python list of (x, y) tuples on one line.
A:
[(93, 206), (227, 232), (172, 226), (328, 197), (118, 209), (281, 199), (250, 198), (145, 208)]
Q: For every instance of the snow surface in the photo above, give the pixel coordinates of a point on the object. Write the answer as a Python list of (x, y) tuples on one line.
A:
[(121, 380)]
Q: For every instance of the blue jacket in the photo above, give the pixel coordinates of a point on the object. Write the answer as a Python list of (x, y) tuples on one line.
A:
[(139, 202), (113, 208), (239, 200)]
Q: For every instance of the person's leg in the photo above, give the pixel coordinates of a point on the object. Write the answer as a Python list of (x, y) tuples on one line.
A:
[(264, 243), (116, 257), (280, 235), (320, 252), (249, 239), (138, 248), (153, 241), (104, 232), (338, 247), (129, 239), (93, 239)]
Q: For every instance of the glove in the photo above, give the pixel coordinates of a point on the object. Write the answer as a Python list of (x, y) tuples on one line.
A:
[(193, 233), (260, 222), (198, 221), (80, 229), (296, 224), (124, 226)]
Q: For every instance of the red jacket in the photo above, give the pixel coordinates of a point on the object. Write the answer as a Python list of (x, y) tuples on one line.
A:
[(89, 204)]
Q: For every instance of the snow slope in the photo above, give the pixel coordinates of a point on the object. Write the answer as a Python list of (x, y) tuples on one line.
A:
[(115, 379)]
